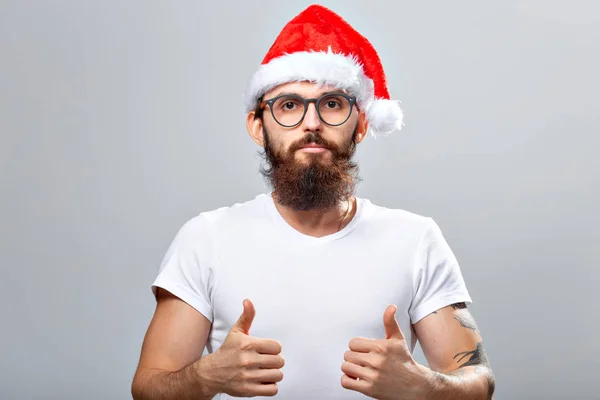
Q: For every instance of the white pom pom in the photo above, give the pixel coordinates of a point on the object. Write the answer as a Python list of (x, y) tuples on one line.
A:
[(385, 117)]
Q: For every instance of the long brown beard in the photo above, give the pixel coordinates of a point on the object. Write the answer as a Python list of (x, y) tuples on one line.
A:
[(319, 184)]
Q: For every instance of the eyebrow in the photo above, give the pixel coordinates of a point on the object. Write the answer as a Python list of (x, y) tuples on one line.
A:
[(318, 95)]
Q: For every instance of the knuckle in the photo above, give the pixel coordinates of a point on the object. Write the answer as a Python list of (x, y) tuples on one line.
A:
[(265, 390), (245, 345), (245, 361), (280, 362), (346, 366), (248, 391), (380, 348), (377, 363), (374, 378), (399, 345), (278, 376), (344, 382), (278, 347), (273, 390), (244, 375)]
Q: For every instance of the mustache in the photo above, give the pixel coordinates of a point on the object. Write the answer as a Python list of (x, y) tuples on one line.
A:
[(313, 138)]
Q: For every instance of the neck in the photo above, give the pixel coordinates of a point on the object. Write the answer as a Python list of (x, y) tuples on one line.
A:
[(318, 223)]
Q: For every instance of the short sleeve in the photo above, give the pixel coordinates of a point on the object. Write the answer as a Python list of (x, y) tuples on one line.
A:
[(186, 268), (438, 281)]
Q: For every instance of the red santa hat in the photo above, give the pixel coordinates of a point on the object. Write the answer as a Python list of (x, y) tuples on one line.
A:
[(319, 46)]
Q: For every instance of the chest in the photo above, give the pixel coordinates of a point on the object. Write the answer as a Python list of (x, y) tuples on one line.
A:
[(313, 293)]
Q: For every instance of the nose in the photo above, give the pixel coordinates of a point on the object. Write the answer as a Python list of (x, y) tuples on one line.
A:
[(311, 121)]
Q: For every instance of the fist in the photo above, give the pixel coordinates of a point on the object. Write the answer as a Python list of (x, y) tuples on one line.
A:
[(384, 368), (245, 366)]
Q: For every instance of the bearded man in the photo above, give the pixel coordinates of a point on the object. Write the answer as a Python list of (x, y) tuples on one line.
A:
[(308, 291)]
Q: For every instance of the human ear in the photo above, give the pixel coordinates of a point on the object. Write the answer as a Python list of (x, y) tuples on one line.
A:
[(255, 128), (363, 127)]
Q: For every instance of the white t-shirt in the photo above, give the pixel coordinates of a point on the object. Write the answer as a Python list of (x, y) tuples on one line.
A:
[(311, 294)]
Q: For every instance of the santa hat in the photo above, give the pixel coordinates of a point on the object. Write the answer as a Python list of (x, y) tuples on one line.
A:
[(319, 46)]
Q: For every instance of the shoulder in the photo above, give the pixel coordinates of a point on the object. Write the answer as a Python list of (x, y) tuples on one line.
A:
[(235, 213), (400, 219), (197, 233)]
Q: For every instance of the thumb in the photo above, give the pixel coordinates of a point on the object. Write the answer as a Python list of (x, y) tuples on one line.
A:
[(245, 320), (392, 329)]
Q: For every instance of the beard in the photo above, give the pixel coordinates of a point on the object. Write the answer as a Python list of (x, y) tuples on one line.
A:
[(319, 182)]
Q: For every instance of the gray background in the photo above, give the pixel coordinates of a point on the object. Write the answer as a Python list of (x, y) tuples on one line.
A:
[(120, 120)]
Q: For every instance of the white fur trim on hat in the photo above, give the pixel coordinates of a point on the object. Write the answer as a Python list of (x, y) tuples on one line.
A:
[(323, 68)]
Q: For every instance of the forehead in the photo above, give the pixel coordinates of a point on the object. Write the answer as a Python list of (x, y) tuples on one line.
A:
[(304, 89)]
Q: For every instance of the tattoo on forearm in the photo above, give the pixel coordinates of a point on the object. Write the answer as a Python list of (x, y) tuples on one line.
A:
[(478, 359), (477, 356)]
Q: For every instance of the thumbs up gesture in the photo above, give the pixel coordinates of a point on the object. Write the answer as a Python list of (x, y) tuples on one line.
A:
[(244, 366), (384, 368)]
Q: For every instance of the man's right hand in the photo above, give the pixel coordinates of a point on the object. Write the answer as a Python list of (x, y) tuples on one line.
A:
[(244, 366)]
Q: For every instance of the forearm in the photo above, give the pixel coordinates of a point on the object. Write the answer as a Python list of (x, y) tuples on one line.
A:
[(466, 383), (184, 384)]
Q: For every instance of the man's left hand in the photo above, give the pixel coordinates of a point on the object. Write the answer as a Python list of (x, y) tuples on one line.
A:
[(384, 368)]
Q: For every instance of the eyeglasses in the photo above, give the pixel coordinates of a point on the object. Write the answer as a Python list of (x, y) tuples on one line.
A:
[(289, 110)]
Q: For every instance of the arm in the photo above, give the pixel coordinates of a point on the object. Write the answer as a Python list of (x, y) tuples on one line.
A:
[(454, 350), (175, 340)]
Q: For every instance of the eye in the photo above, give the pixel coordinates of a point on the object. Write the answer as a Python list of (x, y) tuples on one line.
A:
[(334, 103), (288, 104)]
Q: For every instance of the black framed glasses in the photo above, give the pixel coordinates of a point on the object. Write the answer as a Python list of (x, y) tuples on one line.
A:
[(289, 110)]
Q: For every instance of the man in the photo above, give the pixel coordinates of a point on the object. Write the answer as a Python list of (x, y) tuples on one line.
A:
[(309, 292)]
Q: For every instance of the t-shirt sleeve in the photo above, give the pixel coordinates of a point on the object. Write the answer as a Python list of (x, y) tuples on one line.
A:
[(438, 281), (185, 270)]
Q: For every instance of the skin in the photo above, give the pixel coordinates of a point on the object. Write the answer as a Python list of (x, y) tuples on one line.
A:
[(171, 366)]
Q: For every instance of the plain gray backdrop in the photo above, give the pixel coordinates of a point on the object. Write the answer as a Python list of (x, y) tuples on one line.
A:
[(120, 120)]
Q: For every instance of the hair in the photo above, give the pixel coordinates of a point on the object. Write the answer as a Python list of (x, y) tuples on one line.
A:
[(258, 110)]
